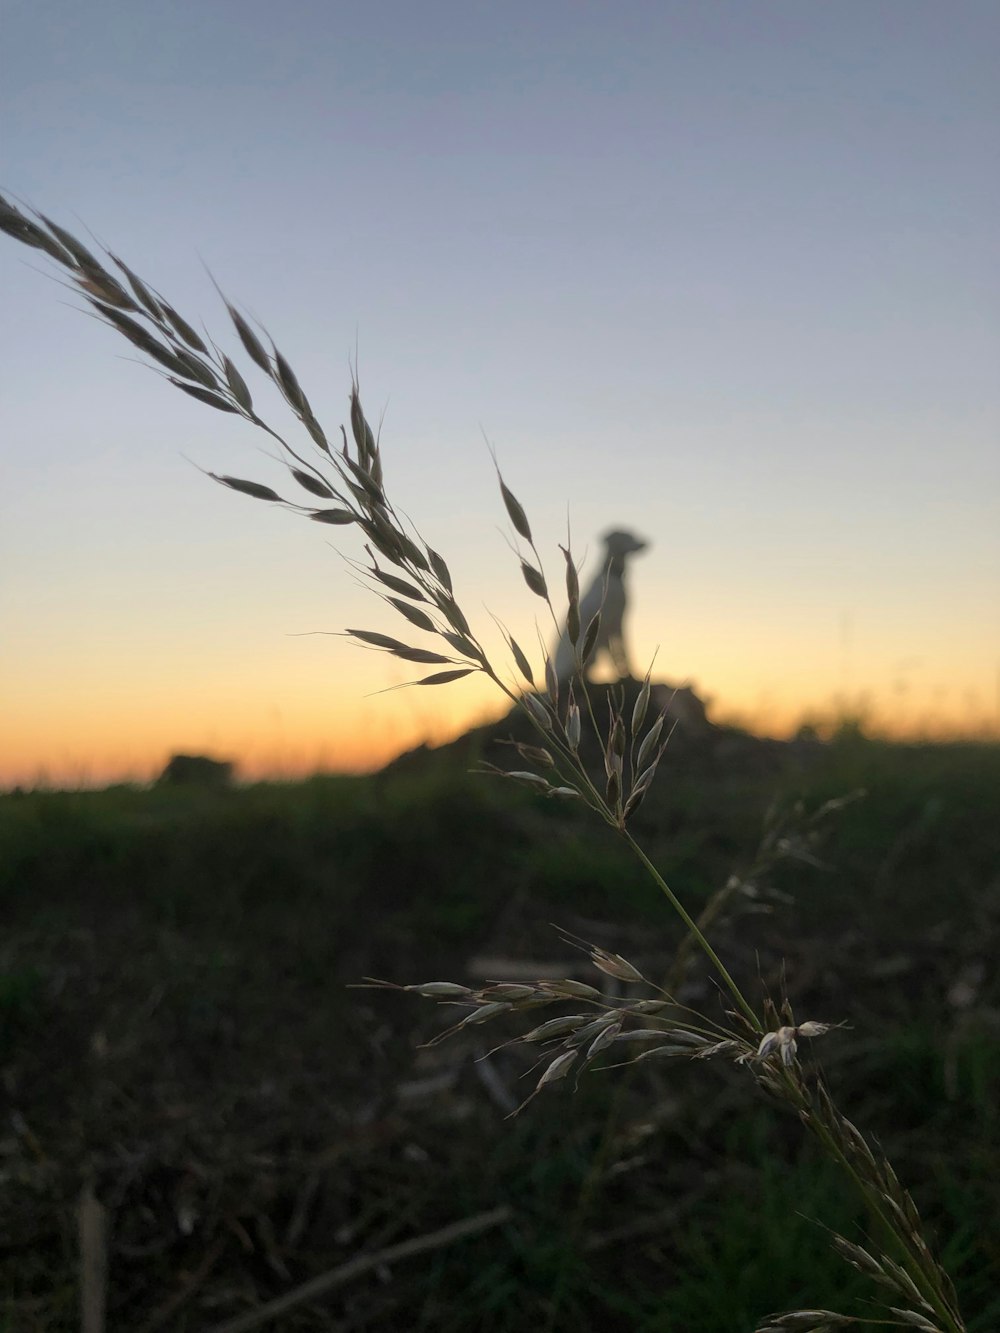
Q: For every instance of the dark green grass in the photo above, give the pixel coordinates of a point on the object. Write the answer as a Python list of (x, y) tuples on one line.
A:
[(174, 1016)]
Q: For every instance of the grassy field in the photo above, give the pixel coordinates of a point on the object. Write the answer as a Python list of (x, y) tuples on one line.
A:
[(177, 1034)]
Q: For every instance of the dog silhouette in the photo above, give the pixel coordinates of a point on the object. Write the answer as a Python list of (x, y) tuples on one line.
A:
[(606, 594)]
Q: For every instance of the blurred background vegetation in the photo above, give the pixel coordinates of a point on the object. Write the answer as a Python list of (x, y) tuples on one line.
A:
[(176, 1030)]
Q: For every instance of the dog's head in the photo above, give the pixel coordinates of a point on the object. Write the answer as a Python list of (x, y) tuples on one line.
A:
[(621, 544)]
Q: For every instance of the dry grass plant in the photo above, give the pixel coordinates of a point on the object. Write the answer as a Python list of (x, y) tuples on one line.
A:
[(341, 483)]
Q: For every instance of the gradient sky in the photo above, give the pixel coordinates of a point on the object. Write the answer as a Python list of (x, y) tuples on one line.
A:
[(722, 272)]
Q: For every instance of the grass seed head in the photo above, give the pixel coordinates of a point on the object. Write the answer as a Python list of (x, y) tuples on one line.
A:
[(440, 990), (556, 1027), (614, 965), (509, 990), (338, 517), (573, 722), (612, 1017), (558, 1069), (538, 711), (604, 1039), (252, 345), (515, 511), (535, 580), (572, 989), (590, 639), (523, 665), (484, 1013), (649, 742)]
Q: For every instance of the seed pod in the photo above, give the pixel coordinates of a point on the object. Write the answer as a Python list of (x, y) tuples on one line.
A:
[(604, 1039), (339, 517), (441, 571), (590, 1030), (183, 328), (590, 639), (359, 426), (573, 598), (439, 990), (238, 388), (679, 1036), (559, 1068), (252, 344), (82, 256), (649, 743), (505, 990), (316, 431), (197, 370), (632, 805), (412, 552), (445, 677), (529, 779), (484, 1013), (461, 645), (397, 584), (144, 296), (552, 682), (203, 395), (556, 1027), (247, 488), (573, 722), (284, 375), (523, 665), (536, 755), (312, 484), (616, 741), (534, 579), (639, 711), (812, 1029), (515, 512), (453, 613), (645, 778), (614, 965), (537, 710), (413, 615), (727, 1047), (572, 989)]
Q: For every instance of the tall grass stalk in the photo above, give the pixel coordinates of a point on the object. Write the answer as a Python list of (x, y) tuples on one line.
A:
[(340, 483)]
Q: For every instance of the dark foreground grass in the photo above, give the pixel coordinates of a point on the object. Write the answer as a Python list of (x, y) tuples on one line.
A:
[(175, 1026)]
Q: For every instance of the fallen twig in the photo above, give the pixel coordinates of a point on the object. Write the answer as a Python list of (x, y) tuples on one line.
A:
[(92, 1228), (159, 1318), (363, 1263)]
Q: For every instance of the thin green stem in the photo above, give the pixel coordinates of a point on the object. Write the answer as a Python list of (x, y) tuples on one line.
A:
[(692, 926)]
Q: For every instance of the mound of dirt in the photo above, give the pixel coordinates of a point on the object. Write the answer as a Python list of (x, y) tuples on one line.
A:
[(694, 737)]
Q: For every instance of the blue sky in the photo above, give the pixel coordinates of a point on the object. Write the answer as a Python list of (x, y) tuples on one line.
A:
[(725, 273)]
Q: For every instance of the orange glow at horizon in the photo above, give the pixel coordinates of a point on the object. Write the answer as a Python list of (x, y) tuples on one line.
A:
[(59, 746)]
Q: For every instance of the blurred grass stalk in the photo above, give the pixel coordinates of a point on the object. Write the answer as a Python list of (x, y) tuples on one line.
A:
[(341, 484)]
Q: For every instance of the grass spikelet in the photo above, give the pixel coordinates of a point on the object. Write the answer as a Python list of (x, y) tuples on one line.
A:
[(312, 484), (590, 639), (252, 488), (252, 344), (338, 517), (515, 511), (445, 677), (523, 665), (535, 580), (414, 615), (238, 388), (204, 396)]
